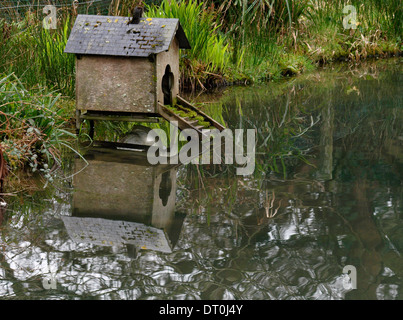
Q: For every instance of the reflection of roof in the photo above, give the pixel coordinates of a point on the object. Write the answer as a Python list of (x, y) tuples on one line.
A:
[(105, 232), (111, 35)]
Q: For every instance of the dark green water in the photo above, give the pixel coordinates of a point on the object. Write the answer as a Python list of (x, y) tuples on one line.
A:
[(327, 192)]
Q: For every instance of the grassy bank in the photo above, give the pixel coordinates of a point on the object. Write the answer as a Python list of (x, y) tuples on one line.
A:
[(241, 41), (254, 41)]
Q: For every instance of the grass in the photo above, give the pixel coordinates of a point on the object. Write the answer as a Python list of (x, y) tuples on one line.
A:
[(377, 30), (208, 58), (57, 66), (32, 126), (37, 84), (36, 55), (294, 36), (232, 42)]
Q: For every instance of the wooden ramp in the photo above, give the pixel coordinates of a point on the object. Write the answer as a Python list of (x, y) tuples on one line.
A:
[(188, 116)]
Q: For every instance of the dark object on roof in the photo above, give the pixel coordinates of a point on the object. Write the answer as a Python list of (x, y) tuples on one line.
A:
[(113, 36), (137, 13)]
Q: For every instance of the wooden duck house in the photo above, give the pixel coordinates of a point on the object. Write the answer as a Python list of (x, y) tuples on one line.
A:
[(127, 70)]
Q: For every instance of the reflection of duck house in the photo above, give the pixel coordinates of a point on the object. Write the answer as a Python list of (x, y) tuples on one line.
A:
[(128, 72), (120, 199)]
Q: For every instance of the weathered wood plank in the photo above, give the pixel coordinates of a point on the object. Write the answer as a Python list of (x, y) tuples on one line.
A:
[(119, 118)]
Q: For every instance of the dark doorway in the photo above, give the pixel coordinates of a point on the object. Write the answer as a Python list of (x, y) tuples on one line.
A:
[(165, 187), (167, 84)]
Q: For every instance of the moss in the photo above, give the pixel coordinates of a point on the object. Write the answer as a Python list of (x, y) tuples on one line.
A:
[(190, 114), (201, 118), (203, 123)]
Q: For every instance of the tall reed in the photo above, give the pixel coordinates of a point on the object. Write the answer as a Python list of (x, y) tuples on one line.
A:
[(209, 52), (36, 55), (56, 66)]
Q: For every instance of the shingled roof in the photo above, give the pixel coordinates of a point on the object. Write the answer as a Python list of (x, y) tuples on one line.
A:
[(113, 36)]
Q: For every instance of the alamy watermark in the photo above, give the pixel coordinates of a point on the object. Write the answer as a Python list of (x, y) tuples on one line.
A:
[(198, 151), (50, 21), (350, 21), (49, 282), (350, 277)]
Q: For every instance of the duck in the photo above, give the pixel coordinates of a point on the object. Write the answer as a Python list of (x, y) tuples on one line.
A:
[(137, 14)]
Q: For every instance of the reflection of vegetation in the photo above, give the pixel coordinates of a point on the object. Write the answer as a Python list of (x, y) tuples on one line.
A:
[(278, 118), (362, 114), (352, 111), (28, 223), (280, 121)]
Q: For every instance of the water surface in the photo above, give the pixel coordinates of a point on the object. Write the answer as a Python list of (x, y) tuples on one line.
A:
[(326, 193)]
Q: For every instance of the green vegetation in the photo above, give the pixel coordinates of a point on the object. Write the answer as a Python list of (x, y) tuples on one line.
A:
[(232, 41), (36, 55), (57, 66), (32, 126), (190, 114), (208, 59), (37, 84), (253, 41)]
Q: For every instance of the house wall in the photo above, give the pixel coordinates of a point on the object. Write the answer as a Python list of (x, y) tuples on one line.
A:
[(105, 83), (170, 57)]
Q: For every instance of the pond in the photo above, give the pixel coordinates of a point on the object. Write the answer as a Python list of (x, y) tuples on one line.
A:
[(326, 194)]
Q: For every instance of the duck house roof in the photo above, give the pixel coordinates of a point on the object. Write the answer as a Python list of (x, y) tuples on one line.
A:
[(114, 36)]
